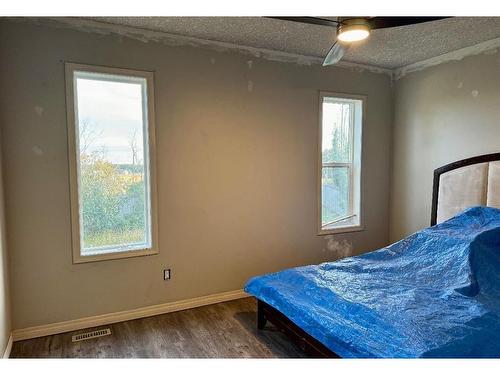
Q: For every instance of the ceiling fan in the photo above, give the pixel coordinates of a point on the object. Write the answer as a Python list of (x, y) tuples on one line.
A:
[(354, 29)]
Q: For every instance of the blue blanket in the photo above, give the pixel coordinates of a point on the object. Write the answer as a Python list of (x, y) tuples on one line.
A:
[(435, 293)]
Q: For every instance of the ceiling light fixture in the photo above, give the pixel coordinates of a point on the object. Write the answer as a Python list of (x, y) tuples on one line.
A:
[(353, 30)]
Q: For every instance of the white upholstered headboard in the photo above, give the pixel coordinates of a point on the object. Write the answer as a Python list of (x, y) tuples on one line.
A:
[(465, 183)]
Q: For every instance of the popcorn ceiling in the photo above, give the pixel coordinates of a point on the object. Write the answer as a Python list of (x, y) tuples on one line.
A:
[(386, 48), (146, 36), (395, 51)]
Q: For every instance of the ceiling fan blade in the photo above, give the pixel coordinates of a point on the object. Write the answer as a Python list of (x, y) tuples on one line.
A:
[(335, 54), (384, 22), (310, 20)]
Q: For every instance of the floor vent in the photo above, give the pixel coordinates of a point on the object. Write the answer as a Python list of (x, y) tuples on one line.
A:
[(91, 335)]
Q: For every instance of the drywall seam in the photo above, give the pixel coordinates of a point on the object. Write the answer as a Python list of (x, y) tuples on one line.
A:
[(121, 316), (145, 35), (483, 47), (6, 353)]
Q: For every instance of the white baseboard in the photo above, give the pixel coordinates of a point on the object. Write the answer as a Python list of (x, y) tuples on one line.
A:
[(6, 353), (121, 316)]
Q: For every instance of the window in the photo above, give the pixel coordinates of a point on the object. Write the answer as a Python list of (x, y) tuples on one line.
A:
[(111, 152), (339, 200)]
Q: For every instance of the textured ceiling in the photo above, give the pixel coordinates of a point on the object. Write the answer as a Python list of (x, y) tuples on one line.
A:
[(387, 48)]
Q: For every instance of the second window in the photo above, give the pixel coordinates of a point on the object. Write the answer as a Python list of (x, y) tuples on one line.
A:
[(340, 162)]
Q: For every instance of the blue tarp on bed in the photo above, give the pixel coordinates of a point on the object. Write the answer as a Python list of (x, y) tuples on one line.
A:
[(434, 294)]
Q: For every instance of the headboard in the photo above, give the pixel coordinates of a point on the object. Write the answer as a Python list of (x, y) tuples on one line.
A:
[(465, 183)]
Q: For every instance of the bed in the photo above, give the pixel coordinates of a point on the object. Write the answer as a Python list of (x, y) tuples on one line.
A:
[(434, 294)]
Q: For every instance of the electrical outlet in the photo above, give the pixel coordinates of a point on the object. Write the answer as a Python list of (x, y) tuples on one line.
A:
[(166, 274)]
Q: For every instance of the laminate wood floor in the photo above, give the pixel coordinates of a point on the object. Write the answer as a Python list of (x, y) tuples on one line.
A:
[(223, 330)]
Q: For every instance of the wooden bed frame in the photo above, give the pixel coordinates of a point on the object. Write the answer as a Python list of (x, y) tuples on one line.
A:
[(306, 342)]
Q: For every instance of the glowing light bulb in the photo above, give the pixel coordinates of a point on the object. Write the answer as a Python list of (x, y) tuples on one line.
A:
[(353, 30)]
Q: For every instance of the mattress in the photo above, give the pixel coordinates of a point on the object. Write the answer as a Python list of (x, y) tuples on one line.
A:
[(435, 293)]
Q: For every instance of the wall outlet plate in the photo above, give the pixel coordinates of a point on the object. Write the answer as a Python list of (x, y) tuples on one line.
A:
[(166, 274)]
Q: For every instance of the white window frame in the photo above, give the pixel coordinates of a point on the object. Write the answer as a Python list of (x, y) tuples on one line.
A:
[(355, 175), (73, 148)]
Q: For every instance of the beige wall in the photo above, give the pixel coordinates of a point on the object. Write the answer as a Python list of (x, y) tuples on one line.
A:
[(236, 171), (442, 114), (5, 308)]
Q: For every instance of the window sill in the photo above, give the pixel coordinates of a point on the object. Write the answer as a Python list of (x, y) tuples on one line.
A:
[(113, 255), (340, 229)]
